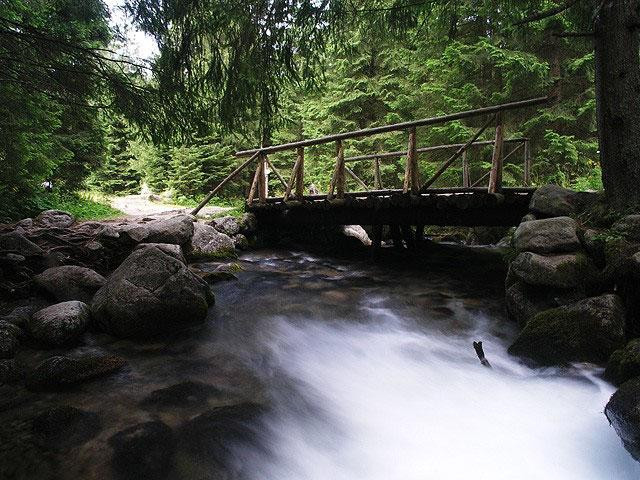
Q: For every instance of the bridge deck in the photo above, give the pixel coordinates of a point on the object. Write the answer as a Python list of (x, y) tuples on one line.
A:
[(448, 206)]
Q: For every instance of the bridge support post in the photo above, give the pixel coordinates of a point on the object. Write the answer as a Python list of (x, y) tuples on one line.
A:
[(411, 179), (262, 178), (466, 174), (527, 163), (495, 176), (337, 182), (300, 174), (377, 180)]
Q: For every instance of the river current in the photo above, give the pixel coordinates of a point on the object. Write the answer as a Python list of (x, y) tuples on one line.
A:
[(373, 377)]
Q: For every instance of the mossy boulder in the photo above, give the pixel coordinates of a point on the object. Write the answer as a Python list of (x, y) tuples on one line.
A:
[(549, 235), (629, 227), (208, 243), (553, 201), (525, 301), (566, 271), (624, 364), (586, 331), (623, 413)]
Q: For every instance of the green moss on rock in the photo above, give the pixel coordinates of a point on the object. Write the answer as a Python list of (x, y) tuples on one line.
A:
[(624, 364)]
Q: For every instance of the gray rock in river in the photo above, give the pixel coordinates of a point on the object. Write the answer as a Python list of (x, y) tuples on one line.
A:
[(143, 451), (241, 242), (553, 201), (60, 371), (548, 235), (54, 219), (70, 282), (151, 292), (207, 242), (623, 413), (227, 225), (10, 371), (63, 427), (571, 270), (60, 324), (525, 301), (176, 230), (248, 224), (586, 331), (624, 364)]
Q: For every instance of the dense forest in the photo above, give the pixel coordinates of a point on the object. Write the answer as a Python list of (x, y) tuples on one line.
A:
[(78, 112)]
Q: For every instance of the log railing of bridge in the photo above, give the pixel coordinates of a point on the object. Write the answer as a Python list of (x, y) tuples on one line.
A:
[(337, 188)]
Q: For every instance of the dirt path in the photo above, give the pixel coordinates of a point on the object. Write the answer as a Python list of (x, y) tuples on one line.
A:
[(140, 205)]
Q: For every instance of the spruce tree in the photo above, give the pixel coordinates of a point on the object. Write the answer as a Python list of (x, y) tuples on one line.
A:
[(117, 174)]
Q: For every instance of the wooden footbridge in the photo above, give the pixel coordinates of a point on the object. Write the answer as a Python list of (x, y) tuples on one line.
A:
[(485, 202)]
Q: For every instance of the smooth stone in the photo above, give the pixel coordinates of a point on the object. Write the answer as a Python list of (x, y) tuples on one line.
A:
[(623, 413), (207, 242), (54, 219), (624, 364), (60, 324), (64, 427), (60, 372), (176, 230), (564, 271), (548, 235), (70, 282), (18, 243)]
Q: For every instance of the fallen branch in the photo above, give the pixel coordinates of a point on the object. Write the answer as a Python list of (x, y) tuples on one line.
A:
[(480, 352)]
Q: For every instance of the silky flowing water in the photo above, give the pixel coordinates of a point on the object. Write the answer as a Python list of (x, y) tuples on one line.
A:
[(364, 372), (377, 379)]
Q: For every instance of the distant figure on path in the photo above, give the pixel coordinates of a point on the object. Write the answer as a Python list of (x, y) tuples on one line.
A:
[(47, 185)]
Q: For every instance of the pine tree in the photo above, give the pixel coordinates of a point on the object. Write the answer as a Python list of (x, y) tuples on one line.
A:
[(117, 174)]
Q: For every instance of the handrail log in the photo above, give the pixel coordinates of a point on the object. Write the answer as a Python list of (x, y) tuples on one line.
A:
[(398, 126), (226, 180), (451, 146)]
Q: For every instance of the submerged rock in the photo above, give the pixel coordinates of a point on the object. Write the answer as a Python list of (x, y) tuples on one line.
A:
[(624, 364), (64, 427), (559, 271), (623, 413), (54, 219), (59, 372), (181, 395), (176, 230), (70, 282), (547, 236), (60, 324), (207, 242), (143, 451), (151, 292), (586, 331)]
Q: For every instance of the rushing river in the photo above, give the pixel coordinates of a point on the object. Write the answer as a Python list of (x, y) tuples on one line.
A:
[(376, 379), (364, 371)]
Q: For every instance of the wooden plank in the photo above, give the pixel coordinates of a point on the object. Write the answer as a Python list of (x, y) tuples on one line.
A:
[(275, 170), (254, 184), (262, 178), (292, 180), (455, 156), (411, 167), (356, 178), (226, 180), (495, 175), (450, 146), (400, 126), (477, 182), (340, 179), (527, 163), (466, 174), (377, 178), (300, 174)]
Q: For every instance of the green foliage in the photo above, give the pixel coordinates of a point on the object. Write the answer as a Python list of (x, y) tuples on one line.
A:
[(84, 206), (117, 174)]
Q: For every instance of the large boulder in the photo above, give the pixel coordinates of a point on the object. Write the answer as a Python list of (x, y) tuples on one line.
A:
[(60, 371), (564, 271), (143, 451), (176, 230), (151, 292), (60, 324), (587, 331), (623, 412), (54, 219), (624, 364), (227, 225), (553, 201), (525, 301), (63, 427), (70, 282), (20, 316), (547, 236), (207, 242), (629, 227), (17, 242)]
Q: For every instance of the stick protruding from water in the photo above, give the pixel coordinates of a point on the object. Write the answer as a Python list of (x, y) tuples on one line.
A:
[(480, 352)]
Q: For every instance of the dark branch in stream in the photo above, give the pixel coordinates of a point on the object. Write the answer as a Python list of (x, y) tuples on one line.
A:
[(480, 352)]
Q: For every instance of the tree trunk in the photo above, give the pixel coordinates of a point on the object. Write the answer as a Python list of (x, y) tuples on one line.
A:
[(618, 99)]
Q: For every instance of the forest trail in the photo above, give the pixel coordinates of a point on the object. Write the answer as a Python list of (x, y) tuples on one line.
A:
[(140, 205)]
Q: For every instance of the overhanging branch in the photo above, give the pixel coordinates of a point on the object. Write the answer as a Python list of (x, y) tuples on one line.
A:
[(547, 13)]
